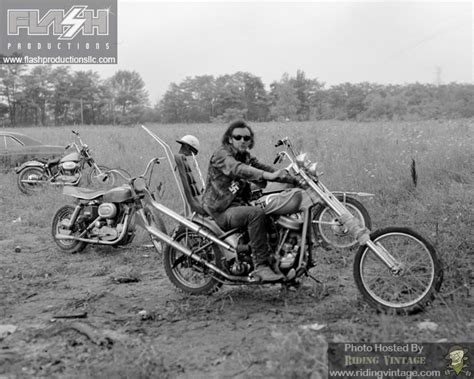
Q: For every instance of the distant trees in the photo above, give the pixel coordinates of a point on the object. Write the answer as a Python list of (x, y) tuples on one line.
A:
[(206, 99), (128, 96), (242, 95), (47, 96), (44, 95), (11, 89)]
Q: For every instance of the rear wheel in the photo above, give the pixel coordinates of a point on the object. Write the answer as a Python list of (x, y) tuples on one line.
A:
[(412, 285), (31, 180), (185, 273), (60, 226), (330, 231)]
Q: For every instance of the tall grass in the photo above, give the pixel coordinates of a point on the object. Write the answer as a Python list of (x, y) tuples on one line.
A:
[(373, 157)]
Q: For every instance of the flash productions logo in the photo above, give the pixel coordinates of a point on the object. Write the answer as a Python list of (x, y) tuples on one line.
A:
[(459, 361), (66, 25)]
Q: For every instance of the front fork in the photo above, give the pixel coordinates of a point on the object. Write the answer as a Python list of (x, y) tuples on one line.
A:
[(384, 255), (74, 215), (360, 233), (94, 166)]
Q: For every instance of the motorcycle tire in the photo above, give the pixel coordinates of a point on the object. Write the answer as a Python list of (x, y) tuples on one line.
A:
[(329, 232), (107, 181), (30, 173), (186, 274), (68, 246), (405, 292)]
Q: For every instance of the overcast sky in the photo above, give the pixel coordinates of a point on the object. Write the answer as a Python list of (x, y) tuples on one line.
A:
[(335, 42)]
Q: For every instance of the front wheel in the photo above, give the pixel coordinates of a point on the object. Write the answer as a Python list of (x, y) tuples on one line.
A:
[(412, 286), (31, 180), (330, 231), (60, 226), (101, 178), (184, 272)]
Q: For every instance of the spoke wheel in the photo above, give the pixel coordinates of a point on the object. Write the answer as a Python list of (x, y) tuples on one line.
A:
[(31, 180), (412, 285), (330, 231), (60, 220), (184, 272), (103, 179)]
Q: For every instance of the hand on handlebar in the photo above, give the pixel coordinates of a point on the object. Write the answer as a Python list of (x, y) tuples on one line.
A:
[(278, 176)]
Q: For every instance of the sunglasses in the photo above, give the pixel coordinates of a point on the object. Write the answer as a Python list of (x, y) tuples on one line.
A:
[(238, 138)]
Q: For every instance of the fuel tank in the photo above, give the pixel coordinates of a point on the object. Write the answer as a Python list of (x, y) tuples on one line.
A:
[(73, 157), (118, 194), (285, 202)]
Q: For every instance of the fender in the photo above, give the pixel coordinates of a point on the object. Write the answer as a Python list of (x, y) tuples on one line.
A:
[(29, 164)]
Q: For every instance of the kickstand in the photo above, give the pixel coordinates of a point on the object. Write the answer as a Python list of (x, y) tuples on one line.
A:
[(312, 277)]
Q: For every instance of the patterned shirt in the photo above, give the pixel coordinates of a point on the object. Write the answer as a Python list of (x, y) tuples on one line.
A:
[(228, 178)]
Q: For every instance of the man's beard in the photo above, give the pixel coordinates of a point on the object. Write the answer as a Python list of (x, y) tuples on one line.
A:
[(241, 156)]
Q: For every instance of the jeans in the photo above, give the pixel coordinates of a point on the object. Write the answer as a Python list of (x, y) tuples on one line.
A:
[(254, 219)]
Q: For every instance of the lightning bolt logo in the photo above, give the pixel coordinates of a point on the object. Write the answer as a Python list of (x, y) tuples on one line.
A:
[(72, 23)]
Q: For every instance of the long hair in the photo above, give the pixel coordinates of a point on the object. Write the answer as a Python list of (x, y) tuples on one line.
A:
[(236, 125)]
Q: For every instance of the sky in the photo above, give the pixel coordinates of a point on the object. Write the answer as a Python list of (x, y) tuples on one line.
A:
[(335, 42)]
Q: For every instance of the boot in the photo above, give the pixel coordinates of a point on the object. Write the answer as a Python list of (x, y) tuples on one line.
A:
[(266, 274)]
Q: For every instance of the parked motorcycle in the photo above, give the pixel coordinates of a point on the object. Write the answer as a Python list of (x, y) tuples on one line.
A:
[(395, 268), (66, 171)]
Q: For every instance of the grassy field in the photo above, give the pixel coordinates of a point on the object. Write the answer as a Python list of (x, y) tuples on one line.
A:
[(370, 157)]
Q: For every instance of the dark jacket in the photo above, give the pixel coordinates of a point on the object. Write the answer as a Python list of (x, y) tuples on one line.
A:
[(228, 178)]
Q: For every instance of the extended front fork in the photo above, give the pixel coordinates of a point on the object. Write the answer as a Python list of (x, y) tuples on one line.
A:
[(351, 223)]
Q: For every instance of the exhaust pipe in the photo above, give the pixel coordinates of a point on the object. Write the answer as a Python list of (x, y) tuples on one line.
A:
[(169, 241)]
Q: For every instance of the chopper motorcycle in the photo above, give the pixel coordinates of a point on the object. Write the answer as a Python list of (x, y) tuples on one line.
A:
[(395, 269), (65, 171)]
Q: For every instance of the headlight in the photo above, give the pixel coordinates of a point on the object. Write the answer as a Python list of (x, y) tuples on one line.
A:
[(312, 169), (139, 184), (301, 159)]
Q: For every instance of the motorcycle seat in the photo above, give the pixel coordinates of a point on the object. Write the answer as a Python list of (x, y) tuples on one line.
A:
[(83, 193), (191, 191), (212, 226), (53, 162)]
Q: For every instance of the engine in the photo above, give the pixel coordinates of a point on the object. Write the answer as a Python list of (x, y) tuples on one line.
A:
[(284, 239), (289, 250), (290, 240), (108, 221), (69, 172)]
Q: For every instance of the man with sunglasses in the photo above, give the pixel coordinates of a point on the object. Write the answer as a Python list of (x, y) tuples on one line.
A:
[(227, 194)]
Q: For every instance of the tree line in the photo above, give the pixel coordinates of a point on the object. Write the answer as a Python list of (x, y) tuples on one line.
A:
[(44, 95)]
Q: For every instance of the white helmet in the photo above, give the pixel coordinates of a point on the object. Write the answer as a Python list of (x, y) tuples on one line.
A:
[(191, 141)]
